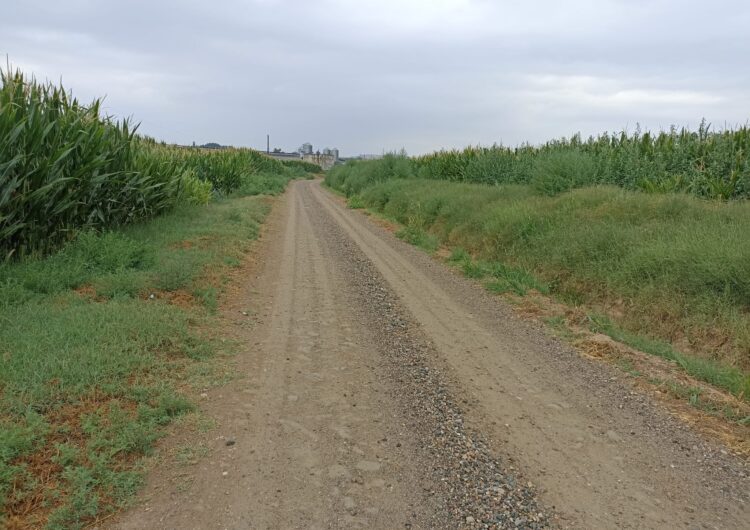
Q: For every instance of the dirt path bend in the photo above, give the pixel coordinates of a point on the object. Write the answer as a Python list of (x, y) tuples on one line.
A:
[(378, 389)]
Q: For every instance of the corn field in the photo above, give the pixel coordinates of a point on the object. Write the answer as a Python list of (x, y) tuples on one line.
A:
[(713, 165), (705, 163), (66, 167)]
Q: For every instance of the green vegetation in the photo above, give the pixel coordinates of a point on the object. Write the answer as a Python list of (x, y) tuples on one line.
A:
[(64, 167), (355, 202), (307, 167), (667, 266), (503, 278), (227, 170), (96, 341), (98, 337), (710, 371), (704, 163), (414, 234)]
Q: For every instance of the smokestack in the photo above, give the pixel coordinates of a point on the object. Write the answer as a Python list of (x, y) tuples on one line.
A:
[(268, 144)]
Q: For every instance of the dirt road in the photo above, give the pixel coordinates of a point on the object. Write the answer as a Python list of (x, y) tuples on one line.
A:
[(378, 389)]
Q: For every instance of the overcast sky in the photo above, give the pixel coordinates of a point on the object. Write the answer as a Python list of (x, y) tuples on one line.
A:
[(374, 75)]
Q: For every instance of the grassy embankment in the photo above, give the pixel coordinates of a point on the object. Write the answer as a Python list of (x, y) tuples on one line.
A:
[(101, 307), (667, 273)]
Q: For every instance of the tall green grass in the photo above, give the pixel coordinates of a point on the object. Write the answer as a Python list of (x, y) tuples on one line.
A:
[(226, 170), (65, 167), (711, 164)]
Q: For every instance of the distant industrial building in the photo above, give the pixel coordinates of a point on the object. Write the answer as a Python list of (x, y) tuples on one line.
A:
[(325, 159), (331, 152)]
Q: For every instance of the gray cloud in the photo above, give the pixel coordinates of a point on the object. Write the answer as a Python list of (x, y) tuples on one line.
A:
[(369, 75)]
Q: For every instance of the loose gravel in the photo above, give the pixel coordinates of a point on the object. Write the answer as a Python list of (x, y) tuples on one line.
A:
[(475, 488)]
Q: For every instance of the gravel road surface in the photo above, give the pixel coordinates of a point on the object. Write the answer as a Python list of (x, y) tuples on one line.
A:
[(378, 389)]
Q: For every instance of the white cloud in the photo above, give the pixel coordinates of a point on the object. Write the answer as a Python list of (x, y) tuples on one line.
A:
[(602, 93)]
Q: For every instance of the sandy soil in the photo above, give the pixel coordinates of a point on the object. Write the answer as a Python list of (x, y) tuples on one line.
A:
[(378, 389)]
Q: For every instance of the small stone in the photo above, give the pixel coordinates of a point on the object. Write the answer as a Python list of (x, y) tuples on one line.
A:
[(229, 442), (225, 473), (470, 520)]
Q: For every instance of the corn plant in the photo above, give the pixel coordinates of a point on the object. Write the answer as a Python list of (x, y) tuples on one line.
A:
[(703, 162), (66, 167)]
